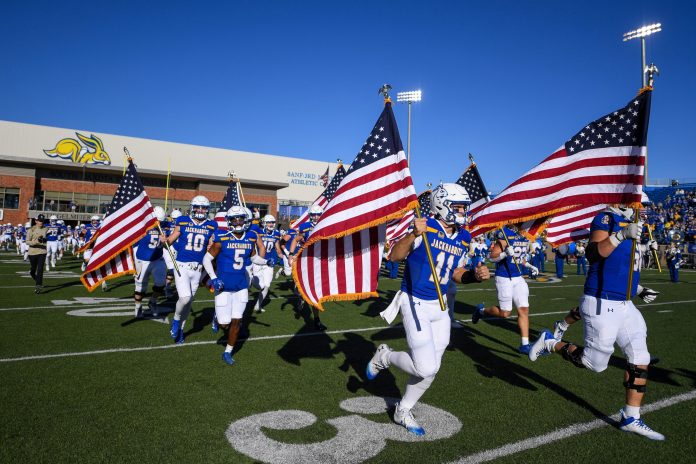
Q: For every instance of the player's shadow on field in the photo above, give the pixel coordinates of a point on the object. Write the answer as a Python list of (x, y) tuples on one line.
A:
[(358, 351), (55, 288), (491, 365)]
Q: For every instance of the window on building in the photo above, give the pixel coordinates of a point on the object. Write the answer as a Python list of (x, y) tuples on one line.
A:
[(9, 198)]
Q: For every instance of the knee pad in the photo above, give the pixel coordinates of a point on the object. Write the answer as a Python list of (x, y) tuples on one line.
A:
[(575, 357), (635, 372), (575, 313)]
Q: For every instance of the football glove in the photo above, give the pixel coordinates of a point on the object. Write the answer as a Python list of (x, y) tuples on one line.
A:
[(647, 294), (534, 269), (652, 245), (631, 231), (270, 262), (217, 284)]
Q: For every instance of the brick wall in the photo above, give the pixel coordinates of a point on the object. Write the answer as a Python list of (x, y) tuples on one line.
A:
[(26, 191)]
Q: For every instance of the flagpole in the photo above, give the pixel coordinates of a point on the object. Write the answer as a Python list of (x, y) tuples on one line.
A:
[(436, 278), (514, 260), (169, 249), (166, 191), (657, 259)]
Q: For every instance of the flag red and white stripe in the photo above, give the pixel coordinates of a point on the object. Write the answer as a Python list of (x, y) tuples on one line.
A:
[(569, 226), (601, 164), (323, 200), (343, 254), (129, 217)]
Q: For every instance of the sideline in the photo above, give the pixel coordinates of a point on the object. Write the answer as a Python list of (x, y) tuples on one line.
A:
[(267, 337), (566, 432)]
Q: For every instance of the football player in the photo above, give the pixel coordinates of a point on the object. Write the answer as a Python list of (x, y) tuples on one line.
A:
[(509, 283), (191, 238), (610, 317), (305, 229), (427, 326), (61, 238), (54, 233), (288, 238), (263, 273), (149, 261), (231, 249)]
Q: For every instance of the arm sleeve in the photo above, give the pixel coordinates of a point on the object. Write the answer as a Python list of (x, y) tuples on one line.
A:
[(208, 265)]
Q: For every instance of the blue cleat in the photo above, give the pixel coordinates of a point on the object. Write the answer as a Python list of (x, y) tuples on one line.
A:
[(378, 362), (180, 338), (215, 328), (175, 329), (405, 417), (477, 314), (524, 349), (227, 357)]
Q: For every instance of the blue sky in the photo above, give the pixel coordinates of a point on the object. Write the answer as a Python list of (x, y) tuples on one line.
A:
[(507, 81)]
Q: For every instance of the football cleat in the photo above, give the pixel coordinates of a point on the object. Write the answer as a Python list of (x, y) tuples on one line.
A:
[(319, 326), (477, 314), (524, 349), (138, 313), (378, 362), (180, 338), (227, 357), (215, 327), (558, 331), (405, 417), (37, 289), (631, 424), (175, 329), (538, 348)]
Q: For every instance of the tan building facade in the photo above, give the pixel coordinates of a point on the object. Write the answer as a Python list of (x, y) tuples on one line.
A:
[(74, 173)]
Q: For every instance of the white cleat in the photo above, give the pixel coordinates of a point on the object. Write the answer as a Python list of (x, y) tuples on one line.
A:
[(631, 424), (405, 417), (558, 331), (378, 362), (539, 346)]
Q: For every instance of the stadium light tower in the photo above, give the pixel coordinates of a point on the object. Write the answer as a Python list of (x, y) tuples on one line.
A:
[(412, 96), (641, 33)]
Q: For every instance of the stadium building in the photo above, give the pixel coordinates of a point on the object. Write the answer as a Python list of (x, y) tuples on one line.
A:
[(74, 173)]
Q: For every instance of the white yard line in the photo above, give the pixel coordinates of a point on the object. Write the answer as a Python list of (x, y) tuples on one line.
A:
[(566, 432), (252, 339)]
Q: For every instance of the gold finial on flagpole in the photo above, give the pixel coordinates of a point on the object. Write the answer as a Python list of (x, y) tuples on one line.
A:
[(384, 90)]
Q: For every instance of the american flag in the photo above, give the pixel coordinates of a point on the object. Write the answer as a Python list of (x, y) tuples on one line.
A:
[(565, 227), (324, 179), (343, 254), (398, 228), (602, 164), (128, 218), (230, 199), (472, 182), (325, 197)]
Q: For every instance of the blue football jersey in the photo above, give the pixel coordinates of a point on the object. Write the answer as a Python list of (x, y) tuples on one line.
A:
[(192, 243), (608, 277), (306, 228), (506, 267), (269, 240), (149, 247), (290, 233), (232, 260), (91, 230), (55, 232), (449, 253)]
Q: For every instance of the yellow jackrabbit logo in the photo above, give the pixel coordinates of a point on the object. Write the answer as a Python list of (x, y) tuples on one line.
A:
[(91, 153)]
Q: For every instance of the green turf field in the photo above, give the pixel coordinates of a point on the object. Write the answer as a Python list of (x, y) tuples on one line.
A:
[(82, 381)]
